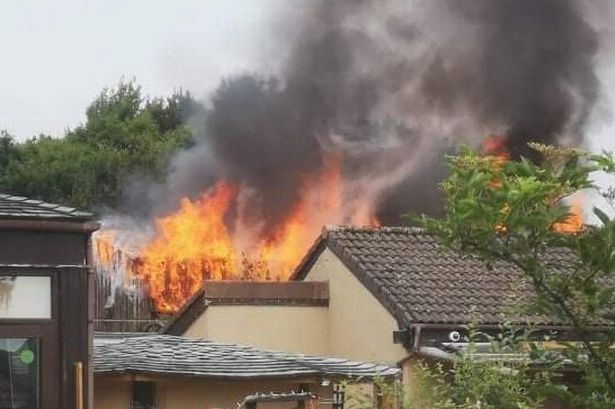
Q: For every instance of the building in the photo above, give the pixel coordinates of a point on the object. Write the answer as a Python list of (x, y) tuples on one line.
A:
[(45, 314), (287, 316), (382, 294), (170, 372)]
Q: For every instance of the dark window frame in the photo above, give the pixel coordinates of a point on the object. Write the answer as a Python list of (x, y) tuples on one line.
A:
[(45, 329), (48, 367)]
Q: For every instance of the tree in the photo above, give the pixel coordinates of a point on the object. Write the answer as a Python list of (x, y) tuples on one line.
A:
[(517, 212), (8, 152), (124, 135)]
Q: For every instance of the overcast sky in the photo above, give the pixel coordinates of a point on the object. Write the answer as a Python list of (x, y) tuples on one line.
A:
[(57, 55)]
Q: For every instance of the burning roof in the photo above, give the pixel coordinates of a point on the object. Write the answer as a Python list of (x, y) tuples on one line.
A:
[(351, 131)]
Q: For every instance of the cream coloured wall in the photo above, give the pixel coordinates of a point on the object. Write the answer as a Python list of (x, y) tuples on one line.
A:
[(354, 326), (300, 329), (199, 394), (113, 392), (359, 327)]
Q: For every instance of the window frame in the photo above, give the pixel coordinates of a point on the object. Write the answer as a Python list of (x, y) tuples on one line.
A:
[(17, 271), (47, 344), (46, 329)]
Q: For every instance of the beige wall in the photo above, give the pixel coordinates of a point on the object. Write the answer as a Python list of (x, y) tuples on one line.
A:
[(301, 329), (111, 392), (354, 326), (359, 326), (194, 393)]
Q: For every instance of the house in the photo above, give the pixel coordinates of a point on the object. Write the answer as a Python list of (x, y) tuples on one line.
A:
[(45, 333), (392, 293), (169, 372)]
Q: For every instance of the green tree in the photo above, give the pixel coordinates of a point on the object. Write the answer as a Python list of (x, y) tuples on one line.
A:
[(8, 151), (124, 135), (514, 212), (490, 372)]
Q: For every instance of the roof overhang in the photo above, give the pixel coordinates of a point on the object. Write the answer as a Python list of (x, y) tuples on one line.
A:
[(60, 226)]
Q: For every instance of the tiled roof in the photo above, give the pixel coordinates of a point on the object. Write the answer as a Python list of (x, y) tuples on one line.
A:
[(17, 207), (247, 293), (419, 281), (172, 355)]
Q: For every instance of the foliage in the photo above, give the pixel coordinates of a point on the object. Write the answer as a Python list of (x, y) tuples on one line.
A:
[(517, 212), (124, 135), (491, 374)]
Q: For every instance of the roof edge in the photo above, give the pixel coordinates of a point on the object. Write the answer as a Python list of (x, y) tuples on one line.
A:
[(186, 315), (64, 226), (306, 263)]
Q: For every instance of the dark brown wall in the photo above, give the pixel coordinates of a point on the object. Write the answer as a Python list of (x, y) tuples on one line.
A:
[(75, 329), (33, 247), (64, 257)]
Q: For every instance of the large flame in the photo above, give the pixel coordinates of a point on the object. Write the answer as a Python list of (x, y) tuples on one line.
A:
[(210, 237)]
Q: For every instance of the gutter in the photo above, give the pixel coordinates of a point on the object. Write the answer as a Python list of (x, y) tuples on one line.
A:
[(410, 337)]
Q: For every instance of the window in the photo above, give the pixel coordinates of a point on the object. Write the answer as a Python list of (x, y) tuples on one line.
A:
[(143, 395), (25, 297), (19, 373)]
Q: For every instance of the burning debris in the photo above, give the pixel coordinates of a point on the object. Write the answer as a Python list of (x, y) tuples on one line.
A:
[(351, 129)]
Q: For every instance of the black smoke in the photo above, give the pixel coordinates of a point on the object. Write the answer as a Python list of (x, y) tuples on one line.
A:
[(389, 86)]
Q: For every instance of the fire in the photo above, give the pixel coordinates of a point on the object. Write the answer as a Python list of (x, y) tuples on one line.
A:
[(574, 222), (210, 238), (495, 146), (192, 245), (104, 249)]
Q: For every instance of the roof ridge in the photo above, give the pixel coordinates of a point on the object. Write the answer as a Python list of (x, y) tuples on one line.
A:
[(333, 228)]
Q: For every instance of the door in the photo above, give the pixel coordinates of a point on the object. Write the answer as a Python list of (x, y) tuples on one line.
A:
[(29, 367), (29, 347)]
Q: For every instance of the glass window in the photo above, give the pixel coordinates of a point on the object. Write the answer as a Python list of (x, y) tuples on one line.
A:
[(19, 373), (143, 395), (25, 297)]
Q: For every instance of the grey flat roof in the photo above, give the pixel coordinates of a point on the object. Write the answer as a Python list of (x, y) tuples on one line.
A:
[(172, 355)]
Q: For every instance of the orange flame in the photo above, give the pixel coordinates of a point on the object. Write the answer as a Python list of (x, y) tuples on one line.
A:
[(495, 146), (103, 248), (209, 238), (574, 222)]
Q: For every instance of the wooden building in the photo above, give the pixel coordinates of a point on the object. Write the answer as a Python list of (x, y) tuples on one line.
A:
[(45, 308)]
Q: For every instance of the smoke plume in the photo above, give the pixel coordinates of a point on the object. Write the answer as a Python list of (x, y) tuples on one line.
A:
[(386, 87)]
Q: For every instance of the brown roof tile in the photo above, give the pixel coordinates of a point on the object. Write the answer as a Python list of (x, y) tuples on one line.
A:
[(419, 281)]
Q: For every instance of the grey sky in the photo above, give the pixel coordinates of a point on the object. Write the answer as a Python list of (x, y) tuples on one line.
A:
[(58, 54)]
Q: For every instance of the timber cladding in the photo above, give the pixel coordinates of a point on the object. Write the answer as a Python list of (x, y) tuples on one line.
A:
[(49, 240)]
